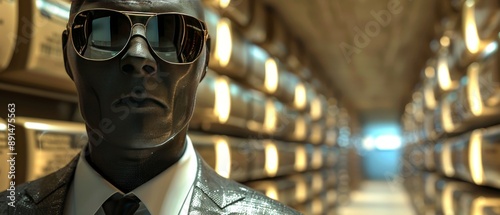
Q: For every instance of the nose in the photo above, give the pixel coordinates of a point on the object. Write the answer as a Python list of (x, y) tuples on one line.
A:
[(138, 59)]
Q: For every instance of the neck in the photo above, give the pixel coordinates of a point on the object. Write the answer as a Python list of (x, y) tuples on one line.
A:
[(128, 169)]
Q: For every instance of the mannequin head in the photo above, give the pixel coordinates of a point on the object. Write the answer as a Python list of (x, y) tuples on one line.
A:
[(135, 99)]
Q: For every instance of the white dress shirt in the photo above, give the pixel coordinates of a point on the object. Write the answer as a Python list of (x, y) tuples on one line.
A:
[(167, 193)]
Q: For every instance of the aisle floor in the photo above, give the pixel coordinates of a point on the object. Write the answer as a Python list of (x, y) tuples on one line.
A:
[(378, 197)]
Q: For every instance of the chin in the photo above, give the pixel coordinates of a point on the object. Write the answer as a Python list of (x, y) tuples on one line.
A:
[(140, 141)]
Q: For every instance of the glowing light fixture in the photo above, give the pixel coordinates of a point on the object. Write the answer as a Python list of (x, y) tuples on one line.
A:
[(317, 206), (272, 159), (446, 118), (430, 72), (271, 78), (3, 127), (223, 158), (317, 133), (446, 160), (223, 42), (447, 198), (300, 159), (444, 78), (490, 48), (317, 159), (387, 142), (222, 107), (473, 92), (300, 189), (61, 9), (480, 203), (472, 40), (369, 143), (272, 191), (300, 96), (445, 41), (429, 97), (270, 117), (316, 109), (224, 3), (37, 126), (317, 182), (475, 157), (300, 128)]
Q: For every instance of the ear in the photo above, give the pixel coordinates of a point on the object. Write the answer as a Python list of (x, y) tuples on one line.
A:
[(65, 36), (207, 57)]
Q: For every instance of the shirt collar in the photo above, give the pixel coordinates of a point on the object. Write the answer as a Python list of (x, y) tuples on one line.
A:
[(163, 194)]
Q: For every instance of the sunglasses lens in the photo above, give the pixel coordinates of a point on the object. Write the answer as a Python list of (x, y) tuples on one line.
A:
[(100, 34), (176, 38)]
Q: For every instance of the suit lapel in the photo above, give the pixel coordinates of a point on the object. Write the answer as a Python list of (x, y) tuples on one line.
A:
[(49, 193), (221, 191)]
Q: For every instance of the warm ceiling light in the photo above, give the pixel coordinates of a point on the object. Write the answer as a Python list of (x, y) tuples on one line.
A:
[(222, 158), (300, 96), (473, 91), (223, 42), (224, 3), (444, 79), (270, 117), (475, 157), (222, 107), (300, 158), (316, 109), (472, 40), (271, 78), (272, 159)]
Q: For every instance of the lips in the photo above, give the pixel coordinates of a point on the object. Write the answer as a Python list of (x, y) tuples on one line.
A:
[(139, 102)]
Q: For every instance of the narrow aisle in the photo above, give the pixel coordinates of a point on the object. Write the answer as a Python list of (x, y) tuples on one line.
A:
[(378, 197)]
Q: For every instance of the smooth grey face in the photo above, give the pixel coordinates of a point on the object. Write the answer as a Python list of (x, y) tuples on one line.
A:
[(135, 99)]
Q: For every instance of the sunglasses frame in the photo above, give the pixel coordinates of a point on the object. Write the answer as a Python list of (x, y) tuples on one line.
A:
[(150, 15)]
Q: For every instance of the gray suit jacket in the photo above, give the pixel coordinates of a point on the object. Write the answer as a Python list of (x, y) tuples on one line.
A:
[(212, 194)]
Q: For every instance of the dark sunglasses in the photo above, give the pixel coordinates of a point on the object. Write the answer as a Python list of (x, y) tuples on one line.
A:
[(101, 34)]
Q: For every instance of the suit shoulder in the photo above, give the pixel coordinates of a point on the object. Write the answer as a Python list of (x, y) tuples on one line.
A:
[(23, 198), (254, 202), (214, 194), (255, 199), (14, 200)]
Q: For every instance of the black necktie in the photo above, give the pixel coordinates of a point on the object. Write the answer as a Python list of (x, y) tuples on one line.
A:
[(118, 204)]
